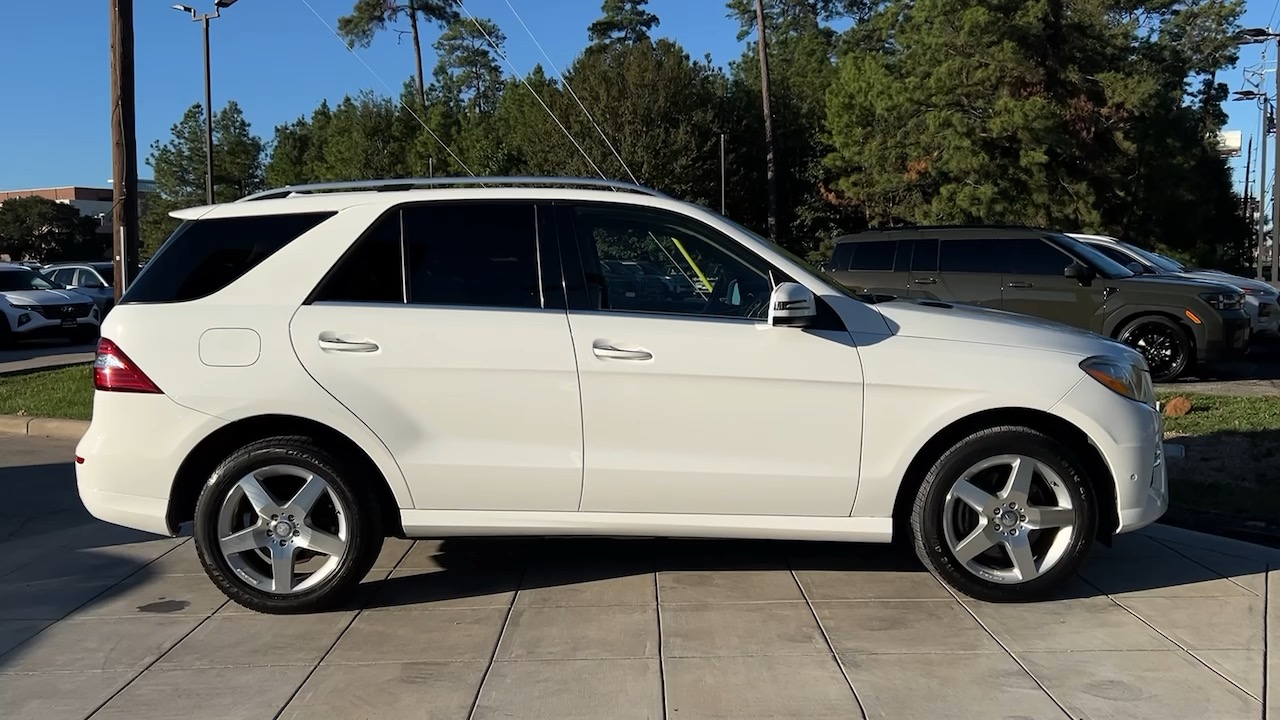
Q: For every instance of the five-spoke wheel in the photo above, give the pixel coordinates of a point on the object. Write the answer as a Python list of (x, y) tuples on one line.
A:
[(1005, 514), (281, 528)]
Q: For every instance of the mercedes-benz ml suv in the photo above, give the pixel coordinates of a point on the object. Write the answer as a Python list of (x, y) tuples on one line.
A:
[(306, 371)]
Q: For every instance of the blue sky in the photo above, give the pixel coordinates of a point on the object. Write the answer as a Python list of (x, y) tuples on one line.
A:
[(278, 61)]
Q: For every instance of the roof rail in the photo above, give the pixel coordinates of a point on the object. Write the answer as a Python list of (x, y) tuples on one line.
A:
[(393, 184)]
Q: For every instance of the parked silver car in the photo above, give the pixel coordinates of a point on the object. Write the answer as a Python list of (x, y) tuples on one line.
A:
[(95, 279)]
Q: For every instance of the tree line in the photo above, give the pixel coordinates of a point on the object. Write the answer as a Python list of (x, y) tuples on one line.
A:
[(1090, 115)]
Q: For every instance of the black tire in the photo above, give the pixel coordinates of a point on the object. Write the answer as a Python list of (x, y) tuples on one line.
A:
[(1163, 342), (929, 513), (364, 524)]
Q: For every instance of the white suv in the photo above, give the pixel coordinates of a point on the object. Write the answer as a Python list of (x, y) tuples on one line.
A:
[(306, 371), (32, 306)]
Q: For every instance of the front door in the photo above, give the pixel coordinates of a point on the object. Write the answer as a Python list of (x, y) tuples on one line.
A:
[(969, 271), (1034, 285), (437, 332), (696, 405)]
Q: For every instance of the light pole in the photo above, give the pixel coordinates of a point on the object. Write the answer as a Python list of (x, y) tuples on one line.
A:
[(204, 19), (1265, 107), (1248, 37)]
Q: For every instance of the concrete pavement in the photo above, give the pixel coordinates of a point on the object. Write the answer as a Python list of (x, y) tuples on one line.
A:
[(103, 622)]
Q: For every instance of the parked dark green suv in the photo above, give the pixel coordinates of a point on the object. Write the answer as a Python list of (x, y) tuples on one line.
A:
[(1174, 322)]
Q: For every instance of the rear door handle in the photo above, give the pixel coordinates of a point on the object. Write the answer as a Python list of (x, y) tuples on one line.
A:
[(609, 352), (331, 342), (1019, 284), (925, 281)]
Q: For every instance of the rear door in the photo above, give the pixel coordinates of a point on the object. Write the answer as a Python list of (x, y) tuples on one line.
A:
[(444, 330), (922, 277), (1034, 284), (875, 266), (969, 270)]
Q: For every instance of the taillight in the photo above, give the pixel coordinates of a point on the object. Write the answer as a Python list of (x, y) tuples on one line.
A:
[(113, 371)]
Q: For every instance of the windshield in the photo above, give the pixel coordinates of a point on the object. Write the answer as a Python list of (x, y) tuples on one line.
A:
[(1106, 267), (11, 280), (1165, 263)]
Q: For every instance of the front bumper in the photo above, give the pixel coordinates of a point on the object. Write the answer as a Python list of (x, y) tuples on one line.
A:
[(31, 323), (1226, 339), (1129, 436)]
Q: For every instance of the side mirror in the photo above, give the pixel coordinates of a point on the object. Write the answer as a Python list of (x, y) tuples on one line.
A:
[(1136, 268), (1081, 272), (792, 305), (92, 284)]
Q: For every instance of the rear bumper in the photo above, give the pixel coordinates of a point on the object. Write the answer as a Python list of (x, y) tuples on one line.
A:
[(128, 459)]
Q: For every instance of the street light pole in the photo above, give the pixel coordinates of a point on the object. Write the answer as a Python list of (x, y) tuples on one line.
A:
[(1246, 37), (204, 19)]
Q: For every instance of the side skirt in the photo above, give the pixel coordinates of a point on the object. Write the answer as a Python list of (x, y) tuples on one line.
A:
[(453, 523)]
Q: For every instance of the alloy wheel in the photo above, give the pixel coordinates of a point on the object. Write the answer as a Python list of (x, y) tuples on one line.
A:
[(1159, 344), (282, 529), (1009, 519)]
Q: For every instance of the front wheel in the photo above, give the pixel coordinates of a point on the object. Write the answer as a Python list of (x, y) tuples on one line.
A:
[(1004, 515), (281, 527), (1162, 342)]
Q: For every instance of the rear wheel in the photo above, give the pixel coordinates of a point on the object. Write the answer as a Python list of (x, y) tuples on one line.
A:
[(1162, 342), (282, 527), (1004, 515)]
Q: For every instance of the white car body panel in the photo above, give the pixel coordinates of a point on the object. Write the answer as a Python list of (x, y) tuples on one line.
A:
[(475, 419)]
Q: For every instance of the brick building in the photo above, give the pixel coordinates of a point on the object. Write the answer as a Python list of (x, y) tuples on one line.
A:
[(94, 202)]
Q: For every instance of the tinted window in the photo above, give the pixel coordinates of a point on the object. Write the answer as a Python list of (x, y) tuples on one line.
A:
[(972, 256), (65, 276), (1035, 257), (703, 272), (371, 271), (1103, 264), (925, 256), (876, 255), (107, 273), (473, 254), (204, 256), (842, 257)]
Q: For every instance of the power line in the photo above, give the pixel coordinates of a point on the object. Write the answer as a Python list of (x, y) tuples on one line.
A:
[(525, 80), (573, 94), (388, 88)]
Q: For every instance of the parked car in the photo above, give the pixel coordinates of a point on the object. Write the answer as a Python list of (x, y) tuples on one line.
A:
[(94, 279), (308, 370), (1174, 322), (1261, 301), (33, 306)]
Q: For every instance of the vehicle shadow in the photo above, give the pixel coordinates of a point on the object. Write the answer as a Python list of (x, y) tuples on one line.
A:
[(1262, 363), (479, 571)]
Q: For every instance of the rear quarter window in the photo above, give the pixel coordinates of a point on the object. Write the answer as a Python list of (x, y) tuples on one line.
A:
[(204, 256)]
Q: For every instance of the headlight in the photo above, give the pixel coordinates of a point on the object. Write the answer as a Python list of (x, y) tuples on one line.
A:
[(1125, 378), (1224, 301), (20, 306)]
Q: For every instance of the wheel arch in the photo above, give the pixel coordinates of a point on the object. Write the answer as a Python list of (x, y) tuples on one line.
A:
[(1097, 472), (205, 456)]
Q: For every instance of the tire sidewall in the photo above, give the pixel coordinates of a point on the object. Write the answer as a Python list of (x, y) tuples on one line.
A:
[(931, 542), (364, 541)]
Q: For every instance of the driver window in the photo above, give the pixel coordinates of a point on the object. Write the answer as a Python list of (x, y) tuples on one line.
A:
[(639, 260)]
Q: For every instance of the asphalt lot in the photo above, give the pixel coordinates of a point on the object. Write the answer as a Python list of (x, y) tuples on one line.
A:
[(104, 622)]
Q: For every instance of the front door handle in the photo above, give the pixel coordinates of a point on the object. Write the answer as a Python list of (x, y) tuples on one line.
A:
[(1019, 284), (609, 352), (331, 342), (925, 281)]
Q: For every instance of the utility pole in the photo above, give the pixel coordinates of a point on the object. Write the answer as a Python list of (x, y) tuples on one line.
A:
[(722, 188), (124, 155), (1262, 181), (771, 169), (1275, 204)]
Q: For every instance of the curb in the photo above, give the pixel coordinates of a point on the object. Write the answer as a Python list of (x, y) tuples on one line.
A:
[(43, 427)]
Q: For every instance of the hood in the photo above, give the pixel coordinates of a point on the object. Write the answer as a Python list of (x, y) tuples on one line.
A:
[(937, 320), (44, 297), (1240, 282), (1177, 283)]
